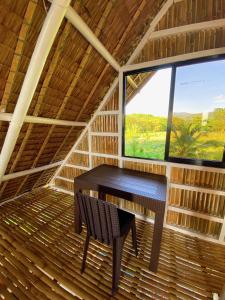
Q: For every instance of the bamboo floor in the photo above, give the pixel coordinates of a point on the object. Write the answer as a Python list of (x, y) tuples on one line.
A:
[(40, 258)]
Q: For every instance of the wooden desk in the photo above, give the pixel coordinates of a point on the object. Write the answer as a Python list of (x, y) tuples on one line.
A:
[(146, 189)]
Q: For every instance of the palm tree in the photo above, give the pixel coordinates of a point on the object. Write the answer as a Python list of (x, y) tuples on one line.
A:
[(188, 140)]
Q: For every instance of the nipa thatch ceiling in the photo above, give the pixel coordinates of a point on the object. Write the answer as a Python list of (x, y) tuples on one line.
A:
[(74, 80), (75, 77)]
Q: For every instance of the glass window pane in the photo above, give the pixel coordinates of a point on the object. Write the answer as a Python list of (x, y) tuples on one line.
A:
[(146, 112), (198, 125)]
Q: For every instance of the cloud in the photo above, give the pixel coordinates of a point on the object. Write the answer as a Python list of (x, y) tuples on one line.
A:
[(219, 99)]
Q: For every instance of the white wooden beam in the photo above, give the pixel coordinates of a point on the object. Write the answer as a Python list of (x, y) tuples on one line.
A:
[(39, 120), (104, 133), (173, 59), (45, 40), (108, 112), (30, 171), (188, 28), (195, 214), (88, 34)]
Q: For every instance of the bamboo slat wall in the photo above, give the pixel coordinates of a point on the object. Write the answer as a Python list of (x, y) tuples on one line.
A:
[(196, 198)]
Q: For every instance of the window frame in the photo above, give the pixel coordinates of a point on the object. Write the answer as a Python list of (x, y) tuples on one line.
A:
[(167, 158)]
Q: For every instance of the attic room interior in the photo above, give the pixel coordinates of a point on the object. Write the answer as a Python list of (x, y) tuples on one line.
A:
[(112, 149)]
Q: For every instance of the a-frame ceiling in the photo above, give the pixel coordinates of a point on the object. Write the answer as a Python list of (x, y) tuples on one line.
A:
[(76, 77)]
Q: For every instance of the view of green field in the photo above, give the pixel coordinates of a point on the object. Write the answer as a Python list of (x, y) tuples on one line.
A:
[(198, 121), (145, 136)]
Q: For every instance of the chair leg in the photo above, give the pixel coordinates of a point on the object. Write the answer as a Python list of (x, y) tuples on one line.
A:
[(85, 252), (117, 257), (134, 237)]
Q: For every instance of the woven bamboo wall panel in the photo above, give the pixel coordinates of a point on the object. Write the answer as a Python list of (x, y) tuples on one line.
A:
[(79, 159), (70, 173), (66, 185), (83, 144), (198, 201), (66, 145), (105, 124), (206, 179), (104, 144), (45, 177), (199, 225), (96, 161), (149, 168), (113, 103)]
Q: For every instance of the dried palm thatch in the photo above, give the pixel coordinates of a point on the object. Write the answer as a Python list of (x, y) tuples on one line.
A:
[(75, 77)]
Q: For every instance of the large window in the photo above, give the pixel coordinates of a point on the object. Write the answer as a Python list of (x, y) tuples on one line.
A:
[(177, 113)]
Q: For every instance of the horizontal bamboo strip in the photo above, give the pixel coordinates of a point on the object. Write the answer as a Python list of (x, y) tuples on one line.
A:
[(79, 159), (96, 161), (197, 201), (107, 123), (113, 103), (150, 168), (211, 180), (83, 145), (199, 225), (70, 173), (64, 184), (104, 144)]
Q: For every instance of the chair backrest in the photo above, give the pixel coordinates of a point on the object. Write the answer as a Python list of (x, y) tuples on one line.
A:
[(100, 217)]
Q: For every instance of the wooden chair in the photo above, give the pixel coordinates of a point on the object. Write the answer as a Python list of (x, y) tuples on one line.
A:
[(107, 224)]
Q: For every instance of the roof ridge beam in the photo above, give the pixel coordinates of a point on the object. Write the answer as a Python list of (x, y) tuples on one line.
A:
[(45, 40), (39, 120)]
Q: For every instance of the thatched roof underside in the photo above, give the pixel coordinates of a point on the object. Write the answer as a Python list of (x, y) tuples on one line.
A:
[(75, 77)]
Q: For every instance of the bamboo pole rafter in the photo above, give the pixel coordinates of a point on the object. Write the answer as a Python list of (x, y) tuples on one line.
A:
[(73, 84), (39, 120), (45, 40)]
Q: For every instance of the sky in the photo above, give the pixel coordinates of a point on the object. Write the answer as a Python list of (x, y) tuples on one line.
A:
[(153, 98), (199, 88)]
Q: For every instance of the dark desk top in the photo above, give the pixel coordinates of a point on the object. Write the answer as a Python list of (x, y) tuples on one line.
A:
[(135, 182)]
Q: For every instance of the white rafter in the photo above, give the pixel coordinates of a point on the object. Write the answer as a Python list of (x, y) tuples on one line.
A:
[(45, 40), (39, 120), (173, 59), (188, 28), (30, 171), (88, 34)]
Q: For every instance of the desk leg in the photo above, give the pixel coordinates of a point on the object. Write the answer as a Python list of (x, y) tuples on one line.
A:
[(77, 218), (156, 241)]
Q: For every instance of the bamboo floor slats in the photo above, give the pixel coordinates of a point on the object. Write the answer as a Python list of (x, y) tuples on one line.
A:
[(40, 258)]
